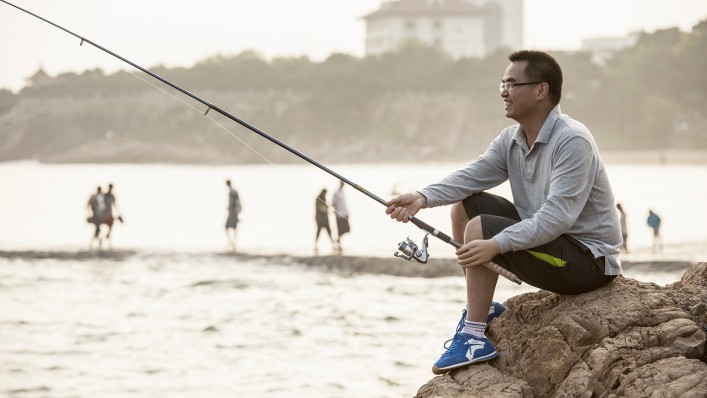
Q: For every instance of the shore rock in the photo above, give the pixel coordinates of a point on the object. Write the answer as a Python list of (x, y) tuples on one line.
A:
[(627, 339)]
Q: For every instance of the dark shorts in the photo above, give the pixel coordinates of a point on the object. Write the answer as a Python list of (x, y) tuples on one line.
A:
[(562, 266), (232, 220)]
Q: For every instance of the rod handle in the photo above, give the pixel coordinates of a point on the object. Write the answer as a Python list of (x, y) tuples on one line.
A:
[(447, 239)]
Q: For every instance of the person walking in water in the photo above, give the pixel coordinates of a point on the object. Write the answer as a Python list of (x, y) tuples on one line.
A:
[(653, 221), (110, 204), (97, 207), (321, 216), (624, 228), (234, 207), (342, 215), (560, 234)]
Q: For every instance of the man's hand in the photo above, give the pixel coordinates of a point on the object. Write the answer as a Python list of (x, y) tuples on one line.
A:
[(408, 204), (477, 252)]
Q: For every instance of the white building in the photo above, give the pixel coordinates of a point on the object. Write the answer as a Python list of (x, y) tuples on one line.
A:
[(462, 28)]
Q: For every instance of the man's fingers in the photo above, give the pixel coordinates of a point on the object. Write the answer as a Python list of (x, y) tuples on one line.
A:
[(402, 215)]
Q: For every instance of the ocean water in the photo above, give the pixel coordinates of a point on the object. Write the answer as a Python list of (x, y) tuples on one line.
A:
[(205, 325), (169, 314)]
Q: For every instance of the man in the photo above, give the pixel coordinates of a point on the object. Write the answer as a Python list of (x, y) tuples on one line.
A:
[(321, 217), (342, 214), (562, 234), (234, 207), (653, 221), (109, 199), (97, 205)]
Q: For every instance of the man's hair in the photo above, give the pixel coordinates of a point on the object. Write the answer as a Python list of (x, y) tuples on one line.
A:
[(541, 67)]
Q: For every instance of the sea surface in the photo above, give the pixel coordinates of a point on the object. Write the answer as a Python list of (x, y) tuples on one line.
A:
[(168, 312)]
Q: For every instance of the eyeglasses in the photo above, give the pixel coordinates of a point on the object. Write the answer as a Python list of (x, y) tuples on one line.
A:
[(507, 86)]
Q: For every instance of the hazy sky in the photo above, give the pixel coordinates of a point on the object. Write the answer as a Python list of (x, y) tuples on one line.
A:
[(179, 33)]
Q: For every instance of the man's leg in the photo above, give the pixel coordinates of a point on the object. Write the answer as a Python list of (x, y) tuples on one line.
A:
[(230, 238), (480, 281), (469, 344)]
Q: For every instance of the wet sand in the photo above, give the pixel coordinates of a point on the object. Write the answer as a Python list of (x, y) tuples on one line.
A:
[(434, 268)]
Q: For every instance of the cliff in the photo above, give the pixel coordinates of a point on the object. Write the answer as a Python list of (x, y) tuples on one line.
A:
[(627, 339)]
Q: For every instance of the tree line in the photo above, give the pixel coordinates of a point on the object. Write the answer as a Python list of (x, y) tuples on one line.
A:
[(649, 96)]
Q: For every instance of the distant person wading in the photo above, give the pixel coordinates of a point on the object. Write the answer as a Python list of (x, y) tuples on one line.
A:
[(321, 217), (341, 212), (234, 208), (96, 205), (654, 221)]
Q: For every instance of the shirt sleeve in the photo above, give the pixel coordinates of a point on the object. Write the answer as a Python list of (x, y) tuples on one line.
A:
[(486, 172), (573, 170)]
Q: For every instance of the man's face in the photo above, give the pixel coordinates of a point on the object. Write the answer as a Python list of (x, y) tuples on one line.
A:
[(519, 100)]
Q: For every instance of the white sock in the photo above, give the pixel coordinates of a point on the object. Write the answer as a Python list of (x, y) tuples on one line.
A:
[(475, 329)]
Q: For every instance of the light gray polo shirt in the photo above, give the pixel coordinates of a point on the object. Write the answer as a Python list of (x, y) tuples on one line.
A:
[(559, 186)]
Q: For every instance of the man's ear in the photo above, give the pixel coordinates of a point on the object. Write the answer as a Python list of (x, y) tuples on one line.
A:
[(542, 91)]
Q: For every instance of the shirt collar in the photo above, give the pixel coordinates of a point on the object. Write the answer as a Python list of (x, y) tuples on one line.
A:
[(545, 130)]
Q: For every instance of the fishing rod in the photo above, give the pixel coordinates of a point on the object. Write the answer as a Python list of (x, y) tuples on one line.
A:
[(407, 249)]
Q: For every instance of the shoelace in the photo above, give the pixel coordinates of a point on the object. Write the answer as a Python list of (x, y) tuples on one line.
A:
[(460, 326), (457, 342)]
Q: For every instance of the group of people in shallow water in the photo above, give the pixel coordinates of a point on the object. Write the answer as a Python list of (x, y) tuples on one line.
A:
[(102, 210), (321, 216), (101, 206)]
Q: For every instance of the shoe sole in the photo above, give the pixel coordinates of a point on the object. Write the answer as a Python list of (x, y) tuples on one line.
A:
[(441, 371)]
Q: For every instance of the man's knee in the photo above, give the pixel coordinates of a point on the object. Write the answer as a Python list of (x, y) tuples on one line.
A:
[(473, 230)]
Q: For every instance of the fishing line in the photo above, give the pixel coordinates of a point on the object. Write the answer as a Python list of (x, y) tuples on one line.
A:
[(216, 122), (208, 116), (407, 249)]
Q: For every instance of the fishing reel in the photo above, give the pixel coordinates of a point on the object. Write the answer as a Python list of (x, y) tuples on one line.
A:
[(408, 250)]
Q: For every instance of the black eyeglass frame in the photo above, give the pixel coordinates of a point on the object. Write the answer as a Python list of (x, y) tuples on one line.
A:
[(502, 86)]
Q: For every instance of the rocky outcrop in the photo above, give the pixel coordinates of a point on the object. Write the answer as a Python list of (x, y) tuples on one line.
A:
[(627, 339)]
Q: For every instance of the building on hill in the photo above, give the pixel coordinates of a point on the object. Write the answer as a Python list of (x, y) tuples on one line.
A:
[(39, 78), (603, 48), (462, 28)]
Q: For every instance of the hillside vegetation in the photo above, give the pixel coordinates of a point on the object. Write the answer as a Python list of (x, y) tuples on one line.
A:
[(414, 105)]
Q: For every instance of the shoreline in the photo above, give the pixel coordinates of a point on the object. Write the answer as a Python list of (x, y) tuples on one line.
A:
[(434, 268), (667, 157)]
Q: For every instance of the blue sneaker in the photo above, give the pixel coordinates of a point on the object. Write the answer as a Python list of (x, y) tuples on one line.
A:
[(464, 350)]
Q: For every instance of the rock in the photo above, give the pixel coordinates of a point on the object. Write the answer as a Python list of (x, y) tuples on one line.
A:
[(626, 339)]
